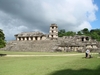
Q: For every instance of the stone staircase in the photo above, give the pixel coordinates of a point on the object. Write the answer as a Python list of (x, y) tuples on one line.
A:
[(36, 46)]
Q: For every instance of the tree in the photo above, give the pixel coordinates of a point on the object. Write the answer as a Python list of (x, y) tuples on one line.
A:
[(85, 31), (70, 33), (64, 33), (79, 33), (95, 30), (95, 34), (2, 39), (61, 32)]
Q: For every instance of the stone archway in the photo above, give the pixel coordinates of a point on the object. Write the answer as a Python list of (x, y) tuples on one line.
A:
[(82, 39), (36, 38), (87, 38)]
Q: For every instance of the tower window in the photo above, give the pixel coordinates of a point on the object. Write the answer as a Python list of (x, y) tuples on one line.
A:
[(52, 36), (52, 27)]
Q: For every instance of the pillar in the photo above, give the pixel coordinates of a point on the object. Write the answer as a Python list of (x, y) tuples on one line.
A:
[(25, 38), (29, 38), (54, 27), (50, 36), (33, 38), (38, 38), (84, 39), (21, 39), (17, 38), (43, 38)]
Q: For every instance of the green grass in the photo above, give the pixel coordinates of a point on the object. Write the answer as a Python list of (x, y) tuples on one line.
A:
[(34, 53), (66, 65)]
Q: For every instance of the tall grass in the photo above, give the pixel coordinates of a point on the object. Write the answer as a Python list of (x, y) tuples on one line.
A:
[(66, 65)]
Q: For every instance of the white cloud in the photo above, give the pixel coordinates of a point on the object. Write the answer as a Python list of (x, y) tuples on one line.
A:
[(85, 24), (31, 15), (70, 10)]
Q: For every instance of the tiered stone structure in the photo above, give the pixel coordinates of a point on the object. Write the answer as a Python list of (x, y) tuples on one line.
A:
[(39, 42), (53, 33)]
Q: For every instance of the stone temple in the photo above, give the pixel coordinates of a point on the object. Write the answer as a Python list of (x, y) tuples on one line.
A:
[(27, 36), (40, 42)]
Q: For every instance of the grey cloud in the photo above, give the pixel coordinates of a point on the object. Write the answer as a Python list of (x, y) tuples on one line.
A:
[(39, 14)]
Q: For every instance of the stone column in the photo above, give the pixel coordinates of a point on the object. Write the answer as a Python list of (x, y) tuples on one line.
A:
[(54, 27), (25, 38), (21, 39), (38, 38), (43, 38), (17, 38), (33, 38), (29, 38), (49, 35), (84, 39)]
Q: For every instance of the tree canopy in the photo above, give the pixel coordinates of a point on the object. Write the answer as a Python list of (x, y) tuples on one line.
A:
[(64, 33), (94, 33), (2, 39)]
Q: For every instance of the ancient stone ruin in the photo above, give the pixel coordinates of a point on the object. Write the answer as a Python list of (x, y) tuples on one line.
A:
[(27, 36), (39, 42), (77, 43)]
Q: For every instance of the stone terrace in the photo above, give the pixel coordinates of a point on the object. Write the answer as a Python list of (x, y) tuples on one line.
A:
[(36, 46)]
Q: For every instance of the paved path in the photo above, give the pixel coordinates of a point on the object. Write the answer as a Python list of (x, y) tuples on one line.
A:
[(44, 55), (47, 55)]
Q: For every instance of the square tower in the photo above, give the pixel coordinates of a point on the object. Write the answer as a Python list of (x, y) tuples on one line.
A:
[(53, 33)]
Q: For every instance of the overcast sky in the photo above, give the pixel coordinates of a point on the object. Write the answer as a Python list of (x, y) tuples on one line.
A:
[(18, 16)]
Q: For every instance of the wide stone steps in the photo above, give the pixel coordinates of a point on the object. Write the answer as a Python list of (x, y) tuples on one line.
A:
[(38, 46)]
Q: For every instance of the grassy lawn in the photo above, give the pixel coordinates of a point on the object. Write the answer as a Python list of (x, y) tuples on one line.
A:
[(34, 53), (66, 65)]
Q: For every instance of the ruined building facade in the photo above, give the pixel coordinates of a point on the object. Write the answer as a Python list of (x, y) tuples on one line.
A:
[(32, 36), (77, 43)]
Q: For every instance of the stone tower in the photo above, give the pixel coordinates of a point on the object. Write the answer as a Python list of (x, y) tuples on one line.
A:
[(53, 33)]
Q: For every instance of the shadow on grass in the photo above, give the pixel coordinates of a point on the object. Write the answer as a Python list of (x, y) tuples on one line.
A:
[(2, 55), (77, 72)]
